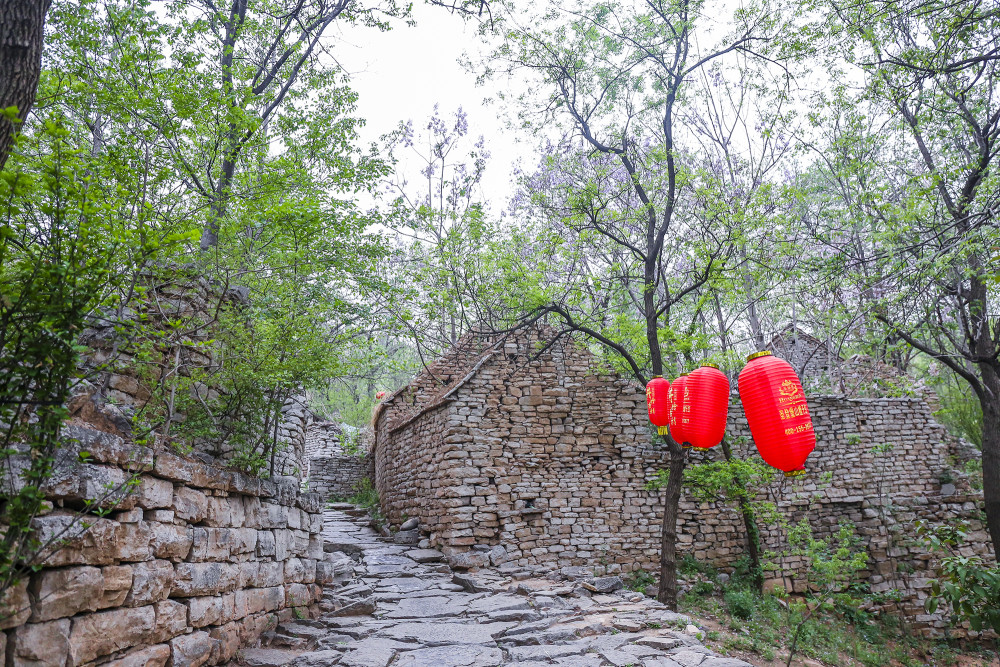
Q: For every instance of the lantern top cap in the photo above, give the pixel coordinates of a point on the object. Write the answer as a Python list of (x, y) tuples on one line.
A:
[(655, 376), (683, 375), (710, 365), (755, 355)]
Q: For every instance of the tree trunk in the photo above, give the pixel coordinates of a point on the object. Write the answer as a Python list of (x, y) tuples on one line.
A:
[(667, 593), (750, 524), (990, 402), (22, 24)]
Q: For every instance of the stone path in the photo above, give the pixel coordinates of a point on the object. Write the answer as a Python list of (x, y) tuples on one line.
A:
[(395, 604)]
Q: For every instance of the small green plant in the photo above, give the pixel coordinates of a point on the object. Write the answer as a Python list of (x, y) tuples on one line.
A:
[(703, 588), (366, 497), (965, 584), (639, 580), (974, 469), (740, 603)]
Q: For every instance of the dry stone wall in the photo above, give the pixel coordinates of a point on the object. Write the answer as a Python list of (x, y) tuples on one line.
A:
[(124, 383), (191, 562), (549, 456), (332, 471)]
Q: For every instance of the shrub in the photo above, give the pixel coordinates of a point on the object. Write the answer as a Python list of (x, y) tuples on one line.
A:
[(740, 603)]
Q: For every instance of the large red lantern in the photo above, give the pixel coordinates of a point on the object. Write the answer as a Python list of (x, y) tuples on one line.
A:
[(679, 410), (777, 412), (709, 401), (658, 403)]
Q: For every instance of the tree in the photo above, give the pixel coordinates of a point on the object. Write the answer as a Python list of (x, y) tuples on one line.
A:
[(22, 25), (927, 206), (442, 223), (639, 225)]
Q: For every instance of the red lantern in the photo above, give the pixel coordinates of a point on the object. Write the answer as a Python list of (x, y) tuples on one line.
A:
[(777, 412), (658, 403), (709, 402), (679, 410)]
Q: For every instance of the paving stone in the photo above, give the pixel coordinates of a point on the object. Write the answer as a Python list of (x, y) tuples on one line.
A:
[(440, 634), (548, 651), (428, 607), (453, 656), (425, 555), (267, 657)]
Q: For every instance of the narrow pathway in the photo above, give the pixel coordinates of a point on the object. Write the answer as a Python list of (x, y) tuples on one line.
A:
[(394, 604)]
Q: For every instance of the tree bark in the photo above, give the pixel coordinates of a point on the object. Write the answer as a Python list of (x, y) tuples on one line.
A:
[(22, 24), (990, 402), (667, 593)]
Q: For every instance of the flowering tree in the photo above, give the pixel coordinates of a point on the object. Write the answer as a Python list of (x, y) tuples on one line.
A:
[(911, 164), (442, 225), (640, 226)]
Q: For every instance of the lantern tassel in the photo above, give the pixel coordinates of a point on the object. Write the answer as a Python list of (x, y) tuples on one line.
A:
[(663, 430)]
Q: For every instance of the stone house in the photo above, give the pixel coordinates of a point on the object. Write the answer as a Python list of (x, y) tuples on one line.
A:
[(541, 449)]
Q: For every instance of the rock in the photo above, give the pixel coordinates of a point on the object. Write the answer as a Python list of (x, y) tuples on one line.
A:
[(319, 658), (66, 592), (498, 555), (425, 555), (105, 632), (722, 578), (575, 573), (468, 560), (947, 489), (153, 656), (627, 625), (407, 537), (151, 582), (410, 524), (40, 644), (358, 608), (659, 643), (190, 504), (269, 657), (692, 630), (603, 584), (16, 605), (171, 541), (469, 583), (191, 650), (453, 656), (436, 633)]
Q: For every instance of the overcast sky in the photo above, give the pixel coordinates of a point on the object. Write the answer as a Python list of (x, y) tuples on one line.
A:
[(400, 75)]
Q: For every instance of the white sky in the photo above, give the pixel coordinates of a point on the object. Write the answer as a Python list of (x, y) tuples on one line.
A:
[(400, 75)]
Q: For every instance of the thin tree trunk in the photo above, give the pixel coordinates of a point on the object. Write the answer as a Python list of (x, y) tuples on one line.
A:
[(990, 402), (667, 593), (750, 524), (22, 24)]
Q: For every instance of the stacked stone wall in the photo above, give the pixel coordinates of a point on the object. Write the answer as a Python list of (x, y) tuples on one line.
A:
[(333, 471), (189, 562), (125, 385), (549, 455)]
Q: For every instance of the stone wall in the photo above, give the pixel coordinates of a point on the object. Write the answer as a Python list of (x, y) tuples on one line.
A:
[(334, 472), (190, 562), (124, 385), (549, 456)]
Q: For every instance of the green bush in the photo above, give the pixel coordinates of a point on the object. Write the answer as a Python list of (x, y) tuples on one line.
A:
[(960, 410), (740, 603)]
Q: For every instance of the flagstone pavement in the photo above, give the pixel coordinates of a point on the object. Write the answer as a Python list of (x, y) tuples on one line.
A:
[(394, 604)]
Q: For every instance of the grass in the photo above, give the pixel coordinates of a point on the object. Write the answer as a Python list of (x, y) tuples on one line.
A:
[(366, 497), (762, 625)]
